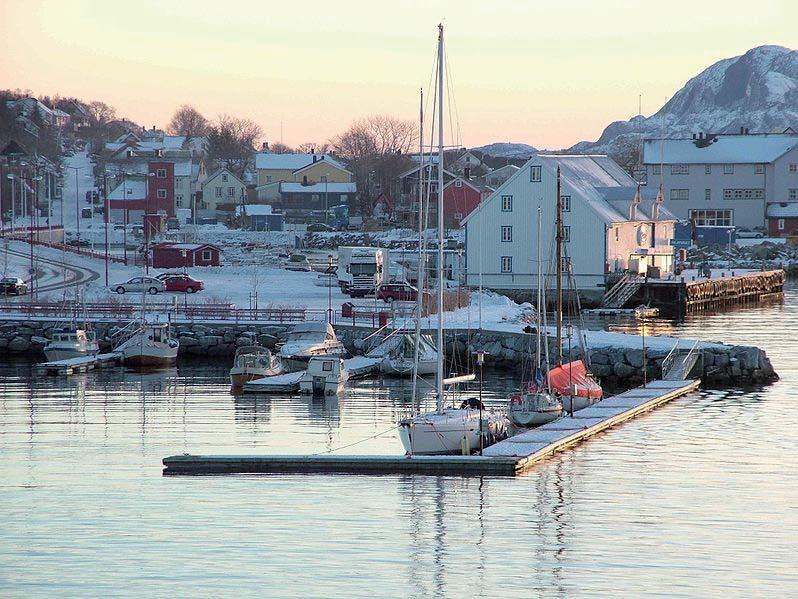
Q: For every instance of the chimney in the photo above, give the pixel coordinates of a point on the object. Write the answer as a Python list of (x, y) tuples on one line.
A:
[(467, 172), (264, 146), (153, 127), (314, 158), (742, 130)]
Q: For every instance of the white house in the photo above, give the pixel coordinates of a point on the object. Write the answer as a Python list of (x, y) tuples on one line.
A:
[(724, 179), (609, 224)]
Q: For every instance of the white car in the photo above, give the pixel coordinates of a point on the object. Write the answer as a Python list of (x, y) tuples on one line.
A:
[(745, 233), (142, 284)]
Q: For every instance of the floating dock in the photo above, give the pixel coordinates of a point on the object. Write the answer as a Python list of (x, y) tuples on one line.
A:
[(288, 382), (506, 458), (76, 365)]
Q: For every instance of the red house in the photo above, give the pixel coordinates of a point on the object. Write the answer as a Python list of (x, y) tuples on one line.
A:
[(183, 255), (460, 197), (151, 193), (782, 218)]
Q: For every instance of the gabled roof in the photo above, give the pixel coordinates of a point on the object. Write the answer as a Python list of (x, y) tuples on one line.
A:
[(218, 172), (132, 189), (186, 246), (782, 210), (511, 167), (418, 168), (721, 149), (467, 182), (291, 162), (289, 187)]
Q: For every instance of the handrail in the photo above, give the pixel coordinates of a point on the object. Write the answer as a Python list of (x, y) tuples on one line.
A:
[(666, 359)]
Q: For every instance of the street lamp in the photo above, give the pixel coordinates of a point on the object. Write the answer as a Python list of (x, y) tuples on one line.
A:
[(480, 362), (10, 177), (641, 314), (77, 202), (730, 248)]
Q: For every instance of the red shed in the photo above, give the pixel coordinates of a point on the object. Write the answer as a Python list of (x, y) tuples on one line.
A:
[(460, 197), (183, 255), (782, 218)]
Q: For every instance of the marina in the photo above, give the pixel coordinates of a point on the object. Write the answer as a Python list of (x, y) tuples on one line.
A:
[(79, 365)]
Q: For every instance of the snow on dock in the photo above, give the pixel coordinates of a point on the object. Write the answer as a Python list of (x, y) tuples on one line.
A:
[(358, 366), (81, 364), (506, 458)]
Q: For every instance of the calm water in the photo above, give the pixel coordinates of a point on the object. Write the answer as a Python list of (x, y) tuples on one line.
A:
[(699, 498)]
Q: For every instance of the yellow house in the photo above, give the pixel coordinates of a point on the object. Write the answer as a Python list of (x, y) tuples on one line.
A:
[(299, 168)]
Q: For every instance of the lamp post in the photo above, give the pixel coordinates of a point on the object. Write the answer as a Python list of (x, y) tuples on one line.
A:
[(730, 248), (10, 177), (640, 314), (77, 203), (480, 362), (329, 287)]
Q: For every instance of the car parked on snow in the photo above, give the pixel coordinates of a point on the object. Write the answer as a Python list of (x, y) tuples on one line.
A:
[(320, 228), (401, 292), (180, 282), (149, 285), (13, 286), (746, 233)]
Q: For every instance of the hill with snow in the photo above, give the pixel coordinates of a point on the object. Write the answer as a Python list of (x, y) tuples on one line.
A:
[(508, 150), (758, 90)]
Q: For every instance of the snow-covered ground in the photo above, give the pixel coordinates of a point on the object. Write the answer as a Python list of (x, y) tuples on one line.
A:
[(72, 201)]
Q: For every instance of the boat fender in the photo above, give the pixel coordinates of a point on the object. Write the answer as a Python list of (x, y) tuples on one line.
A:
[(172, 343)]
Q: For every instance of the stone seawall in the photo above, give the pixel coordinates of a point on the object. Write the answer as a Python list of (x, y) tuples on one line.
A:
[(623, 367)]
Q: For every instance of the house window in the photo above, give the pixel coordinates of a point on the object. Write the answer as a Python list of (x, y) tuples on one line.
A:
[(743, 194), (458, 216), (707, 194), (707, 169), (565, 263), (680, 194), (680, 169), (224, 178), (793, 168), (161, 173), (206, 255), (161, 194), (507, 233), (507, 264), (314, 197), (218, 192), (179, 202), (231, 192), (759, 169), (717, 218), (656, 169), (268, 178), (323, 178), (178, 182), (780, 224), (458, 183), (344, 197), (565, 202), (534, 174), (728, 169), (793, 194), (566, 233), (507, 203)]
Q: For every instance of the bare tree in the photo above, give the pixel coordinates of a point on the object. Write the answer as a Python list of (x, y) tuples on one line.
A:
[(100, 113), (279, 147), (311, 147), (188, 121), (231, 141)]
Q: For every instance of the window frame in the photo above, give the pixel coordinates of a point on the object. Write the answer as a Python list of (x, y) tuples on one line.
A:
[(759, 169), (535, 173), (160, 173), (506, 229), (507, 203), (161, 194), (565, 202), (505, 264), (707, 169), (679, 194), (206, 255), (680, 169), (728, 169)]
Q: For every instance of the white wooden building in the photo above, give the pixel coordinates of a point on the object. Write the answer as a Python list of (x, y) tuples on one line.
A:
[(610, 224)]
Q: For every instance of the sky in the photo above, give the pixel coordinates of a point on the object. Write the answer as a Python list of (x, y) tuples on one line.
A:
[(548, 73)]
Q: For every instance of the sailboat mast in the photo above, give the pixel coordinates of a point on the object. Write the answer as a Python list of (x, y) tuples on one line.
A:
[(421, 255), (540, 291), (439, 382), (558, 270)]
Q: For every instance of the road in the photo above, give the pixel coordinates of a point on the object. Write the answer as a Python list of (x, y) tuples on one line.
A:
[(51, 274)]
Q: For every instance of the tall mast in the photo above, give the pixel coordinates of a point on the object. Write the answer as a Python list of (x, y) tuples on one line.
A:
[(421, 254), (540, 291), (558, 239), (439, 388)]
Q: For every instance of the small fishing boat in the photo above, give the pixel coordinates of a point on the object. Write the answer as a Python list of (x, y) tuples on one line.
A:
[(324, 376), (72, 342), (253, 362), (311, 339), (148, 344)]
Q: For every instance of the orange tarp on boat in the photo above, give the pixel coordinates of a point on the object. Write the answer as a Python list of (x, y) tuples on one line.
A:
[(561, 378)]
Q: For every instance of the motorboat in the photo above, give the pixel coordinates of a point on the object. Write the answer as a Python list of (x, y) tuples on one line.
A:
[(73, 342), (324, 376), (398, 353), (575, 386), (311, 339), (148, 344), (253, 362)]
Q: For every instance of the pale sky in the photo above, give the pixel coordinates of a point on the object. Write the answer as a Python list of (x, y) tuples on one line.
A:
[(548, 73)]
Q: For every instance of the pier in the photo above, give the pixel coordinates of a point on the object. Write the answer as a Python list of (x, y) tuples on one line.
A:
[(288, 382), (77, 365), (510, 457)]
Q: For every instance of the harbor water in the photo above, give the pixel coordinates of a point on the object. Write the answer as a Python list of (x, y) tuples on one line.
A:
[(696, 499)]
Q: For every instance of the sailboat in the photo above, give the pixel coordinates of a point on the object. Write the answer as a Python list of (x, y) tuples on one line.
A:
[(536, 405), (447, 430), (570, 381)]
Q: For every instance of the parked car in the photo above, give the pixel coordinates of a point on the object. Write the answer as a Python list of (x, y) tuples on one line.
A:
[(149, 284), (397, 292), (13, 286), (745, 233), (180, 282), (79, 242), (298, 262), (320, 228)]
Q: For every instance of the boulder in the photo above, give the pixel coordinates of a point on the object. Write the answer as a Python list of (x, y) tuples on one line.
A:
[(600, 358), (186, 341), (721, 360), (37, 341), (623, 370), (23, 330), (748, 358), (634, 357), (267, 340), (601, 370), (19, 344)]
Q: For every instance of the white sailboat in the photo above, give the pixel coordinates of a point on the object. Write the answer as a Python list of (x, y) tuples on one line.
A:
[(253, 362), (447, 430), (536, 405), (402, 355)]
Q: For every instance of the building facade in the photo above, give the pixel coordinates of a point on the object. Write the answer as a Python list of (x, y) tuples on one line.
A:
[(222, 191), (724, 180)]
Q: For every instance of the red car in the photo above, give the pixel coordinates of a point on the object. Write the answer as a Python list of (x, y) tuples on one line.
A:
[(397, 292), (180, 283)]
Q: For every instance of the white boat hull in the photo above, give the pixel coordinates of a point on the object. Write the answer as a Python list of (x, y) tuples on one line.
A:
[(238, 377), (403, 367), (63, 353), (454, 431), (580, 403), (534, 409), (145, 352), (318, 385)]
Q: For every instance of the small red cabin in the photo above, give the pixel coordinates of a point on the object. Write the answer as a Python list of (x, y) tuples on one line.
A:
[(183, 255)]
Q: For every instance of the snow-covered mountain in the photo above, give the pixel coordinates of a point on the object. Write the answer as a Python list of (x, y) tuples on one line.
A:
[(508, 150), (758, 90)]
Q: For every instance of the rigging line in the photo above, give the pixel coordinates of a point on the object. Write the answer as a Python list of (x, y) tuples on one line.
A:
[(452, 101), (357, 442)]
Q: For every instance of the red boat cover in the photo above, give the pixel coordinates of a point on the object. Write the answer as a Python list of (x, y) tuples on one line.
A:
[(574, 373)]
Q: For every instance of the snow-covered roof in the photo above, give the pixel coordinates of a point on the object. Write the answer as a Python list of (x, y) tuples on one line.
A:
[(183, 169), (218, 172), (185, 246), (621, 198), (318, 188), (132, 189), (511, 167), (292, 162), (723, 149), (254, 210), (783, 210)]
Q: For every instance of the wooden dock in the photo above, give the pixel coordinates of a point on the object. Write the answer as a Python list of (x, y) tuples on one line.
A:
[(77, 365), (507, 458), (288, 382)]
